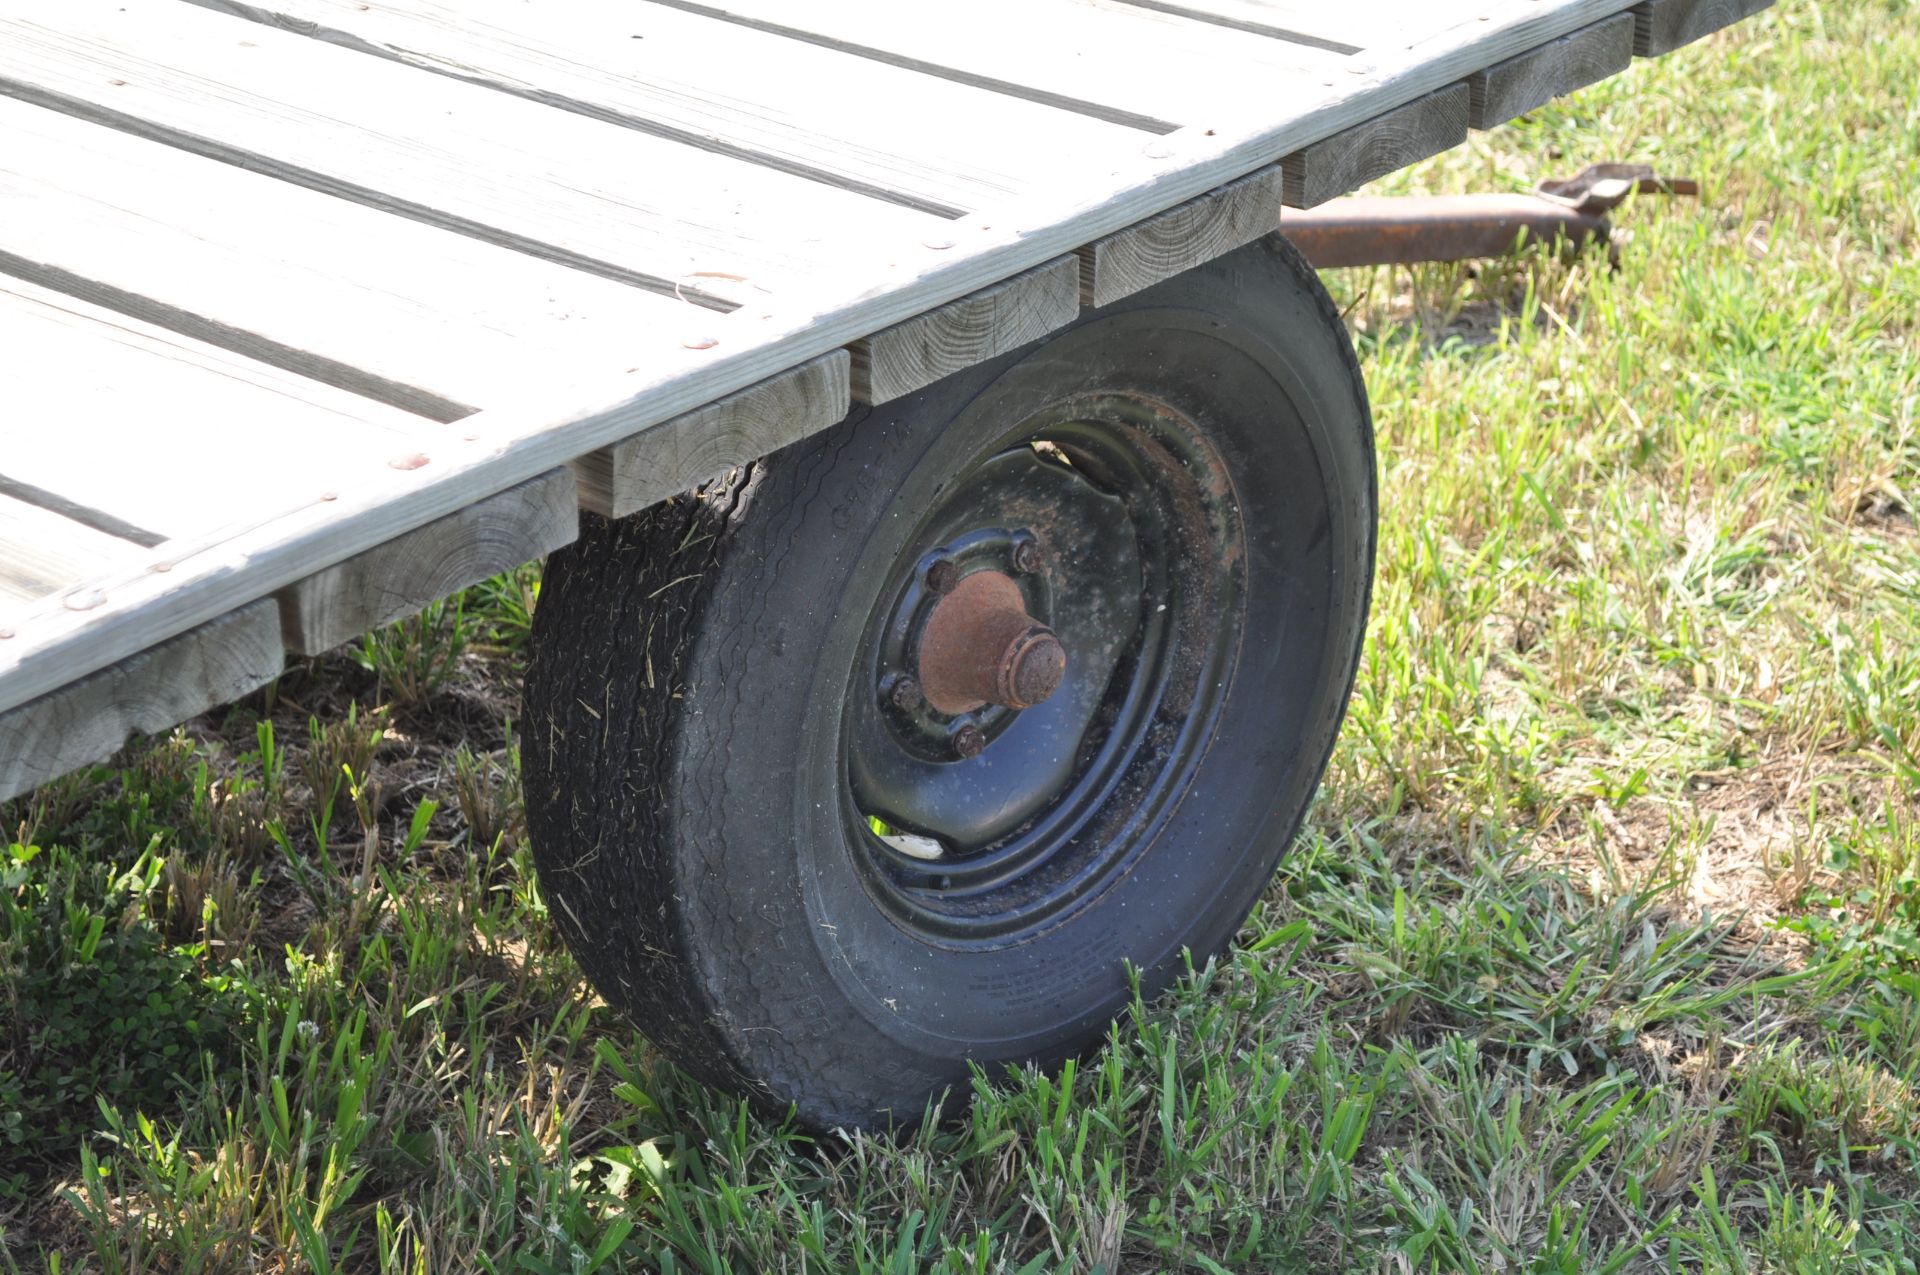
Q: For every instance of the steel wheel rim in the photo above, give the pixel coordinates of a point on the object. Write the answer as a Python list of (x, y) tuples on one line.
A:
[(1120, 492)]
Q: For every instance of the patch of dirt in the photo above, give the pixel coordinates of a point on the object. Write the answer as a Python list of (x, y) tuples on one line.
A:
[(413, 761), (1884, 512), (1745, 842)]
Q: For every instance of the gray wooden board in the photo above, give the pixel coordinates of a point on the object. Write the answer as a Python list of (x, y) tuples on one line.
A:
[(331, 289), (1111, 61), (1386, 143), (915, 354), (756, 98), (42, 553), (1259, 17), (1181, 238), (1665, 25), (1555, 69), (576, 413), (100, 407), (398, 578), (1365, 28), (677, 455), (547, 183), (88, 720)]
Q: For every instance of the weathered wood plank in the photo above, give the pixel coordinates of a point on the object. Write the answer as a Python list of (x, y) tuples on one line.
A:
[(1278, 20), (173, 438), (1146, 69), (398, 578), (42, 553), (914, 354), (1364, 27), (1181, 238), (88, 720), (1533, 79), (551, 184), (1384, 144), (1661, 26), (416, 316), (757, 99), (677, 455)]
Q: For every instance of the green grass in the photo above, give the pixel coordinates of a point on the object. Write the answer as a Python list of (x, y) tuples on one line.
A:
[(1601, 951)]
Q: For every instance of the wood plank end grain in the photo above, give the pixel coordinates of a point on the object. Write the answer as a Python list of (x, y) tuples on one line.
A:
[(1181, 238), (1661, 26), (678, 455), (988, 323), (88, 720), (1531, 80), (1386, 143), (396, 579)]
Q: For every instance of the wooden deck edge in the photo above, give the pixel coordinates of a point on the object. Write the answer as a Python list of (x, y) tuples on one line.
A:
[(88, 720), (1661, 26), (1181, 238), (679, 454), (988, 323), (1384, 144), (398, 578), (1532, 79)]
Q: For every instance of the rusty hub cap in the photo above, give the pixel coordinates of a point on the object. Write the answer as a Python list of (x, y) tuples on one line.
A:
[(981, 647)]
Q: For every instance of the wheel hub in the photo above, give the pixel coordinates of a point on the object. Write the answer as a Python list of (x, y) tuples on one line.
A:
[(981, 647), (996, 780)]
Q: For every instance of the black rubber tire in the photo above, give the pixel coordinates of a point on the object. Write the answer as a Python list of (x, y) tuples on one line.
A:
[(688, 672)]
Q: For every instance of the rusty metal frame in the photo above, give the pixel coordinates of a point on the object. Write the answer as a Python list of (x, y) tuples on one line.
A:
[(1381, 230)]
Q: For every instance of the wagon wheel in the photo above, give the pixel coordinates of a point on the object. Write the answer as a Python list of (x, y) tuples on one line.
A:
[(888, 753)]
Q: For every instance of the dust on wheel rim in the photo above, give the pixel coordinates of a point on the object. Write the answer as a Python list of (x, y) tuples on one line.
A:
[(1115, 517)]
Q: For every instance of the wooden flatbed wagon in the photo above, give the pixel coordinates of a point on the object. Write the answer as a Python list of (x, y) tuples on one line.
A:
[(1020, 656)]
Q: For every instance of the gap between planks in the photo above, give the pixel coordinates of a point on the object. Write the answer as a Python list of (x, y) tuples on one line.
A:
[(751, 97), (491, 165)]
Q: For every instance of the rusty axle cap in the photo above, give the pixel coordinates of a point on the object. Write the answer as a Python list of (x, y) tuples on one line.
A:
[(981, 647)]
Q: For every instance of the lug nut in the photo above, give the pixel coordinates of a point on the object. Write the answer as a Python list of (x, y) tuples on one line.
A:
[(1027, 556), (905, 694), (942, 576), (968, 741)]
